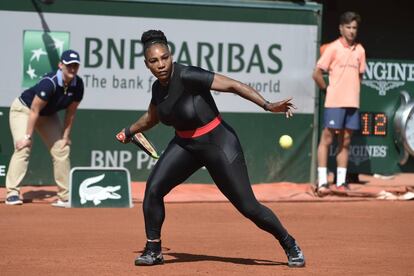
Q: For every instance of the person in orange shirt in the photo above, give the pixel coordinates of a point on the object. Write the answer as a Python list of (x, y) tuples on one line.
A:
[(344, 61)]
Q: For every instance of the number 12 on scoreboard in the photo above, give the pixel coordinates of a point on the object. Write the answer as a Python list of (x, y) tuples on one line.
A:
[(373, 124)]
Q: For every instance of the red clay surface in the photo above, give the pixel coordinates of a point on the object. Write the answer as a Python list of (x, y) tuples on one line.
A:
[(339, 235), (338, 238), (368, 189)]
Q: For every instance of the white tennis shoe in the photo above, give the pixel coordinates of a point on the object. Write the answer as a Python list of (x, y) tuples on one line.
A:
[(60, 203)]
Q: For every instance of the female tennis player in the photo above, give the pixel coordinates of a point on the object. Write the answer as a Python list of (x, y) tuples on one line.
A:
[(181, 98)]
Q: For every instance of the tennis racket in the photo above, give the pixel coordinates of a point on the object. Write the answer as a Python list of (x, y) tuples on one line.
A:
[(143, 143)]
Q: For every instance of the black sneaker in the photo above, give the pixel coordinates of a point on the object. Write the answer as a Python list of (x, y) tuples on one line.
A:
[(343, 187), (295, 256), (150, 256), (293, 252), (13, 200), (323, 190)]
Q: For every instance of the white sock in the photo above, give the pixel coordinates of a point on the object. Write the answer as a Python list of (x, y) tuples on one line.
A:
[(322, 176), (340, 176)]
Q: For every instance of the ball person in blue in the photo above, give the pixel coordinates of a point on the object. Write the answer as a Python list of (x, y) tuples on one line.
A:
[(181, 98), (36, 110)]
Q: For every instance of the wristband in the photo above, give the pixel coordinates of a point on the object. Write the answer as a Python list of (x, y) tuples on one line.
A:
[(265, 105), (127, 132)]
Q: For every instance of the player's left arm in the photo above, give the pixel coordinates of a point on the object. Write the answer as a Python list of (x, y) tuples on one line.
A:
[(225, 84), (69, 119), (362, 64)]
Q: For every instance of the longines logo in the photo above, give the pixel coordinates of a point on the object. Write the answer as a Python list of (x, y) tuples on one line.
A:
[(361, 153), (385, 76), (41, 53), (383, 86)]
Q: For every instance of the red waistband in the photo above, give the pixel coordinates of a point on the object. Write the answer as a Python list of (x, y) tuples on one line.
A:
[(201, 130)]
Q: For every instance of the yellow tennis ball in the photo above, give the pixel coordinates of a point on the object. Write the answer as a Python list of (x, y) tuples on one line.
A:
[(285, 141)]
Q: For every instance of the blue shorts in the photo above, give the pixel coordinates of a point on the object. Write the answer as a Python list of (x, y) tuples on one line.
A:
[(342, 118)]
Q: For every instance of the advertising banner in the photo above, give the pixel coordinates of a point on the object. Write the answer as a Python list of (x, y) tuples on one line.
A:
[(271, 47)]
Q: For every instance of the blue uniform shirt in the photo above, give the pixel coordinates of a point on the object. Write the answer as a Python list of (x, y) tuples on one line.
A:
[(51, 89)]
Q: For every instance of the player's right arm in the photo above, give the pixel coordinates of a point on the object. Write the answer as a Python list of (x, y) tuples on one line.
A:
[(37, 105), (44, 90), (148, 120), (318, 78), (323, 65)]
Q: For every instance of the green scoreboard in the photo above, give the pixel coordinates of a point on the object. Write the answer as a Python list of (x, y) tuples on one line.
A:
[(385, 142)]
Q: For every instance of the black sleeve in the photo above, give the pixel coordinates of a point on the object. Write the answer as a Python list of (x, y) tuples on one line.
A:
[(45, 89), (196, 79), (79, 91), (154, 100)]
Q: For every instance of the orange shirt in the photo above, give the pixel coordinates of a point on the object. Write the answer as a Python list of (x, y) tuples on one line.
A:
[(344, 64)]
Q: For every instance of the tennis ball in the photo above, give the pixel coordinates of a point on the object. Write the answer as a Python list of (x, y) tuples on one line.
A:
[(285, 141)]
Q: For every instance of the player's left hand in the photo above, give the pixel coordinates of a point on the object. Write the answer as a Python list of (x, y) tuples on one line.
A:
[(285, 106)]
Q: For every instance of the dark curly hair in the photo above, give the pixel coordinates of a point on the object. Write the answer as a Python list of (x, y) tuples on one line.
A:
[(152, 37)]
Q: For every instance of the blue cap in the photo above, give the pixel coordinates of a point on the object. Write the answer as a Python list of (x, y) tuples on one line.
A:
[(69, 57)]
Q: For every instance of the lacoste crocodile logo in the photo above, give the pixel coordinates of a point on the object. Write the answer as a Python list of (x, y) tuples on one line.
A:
[(97, 194)]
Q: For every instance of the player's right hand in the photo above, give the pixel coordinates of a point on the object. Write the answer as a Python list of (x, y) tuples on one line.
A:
[(23, 143), (121, 137)]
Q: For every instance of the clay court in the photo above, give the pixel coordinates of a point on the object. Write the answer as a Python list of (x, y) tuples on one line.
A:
[(339, 235)]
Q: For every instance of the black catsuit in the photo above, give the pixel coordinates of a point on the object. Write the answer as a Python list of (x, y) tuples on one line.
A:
[(187, 104)]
